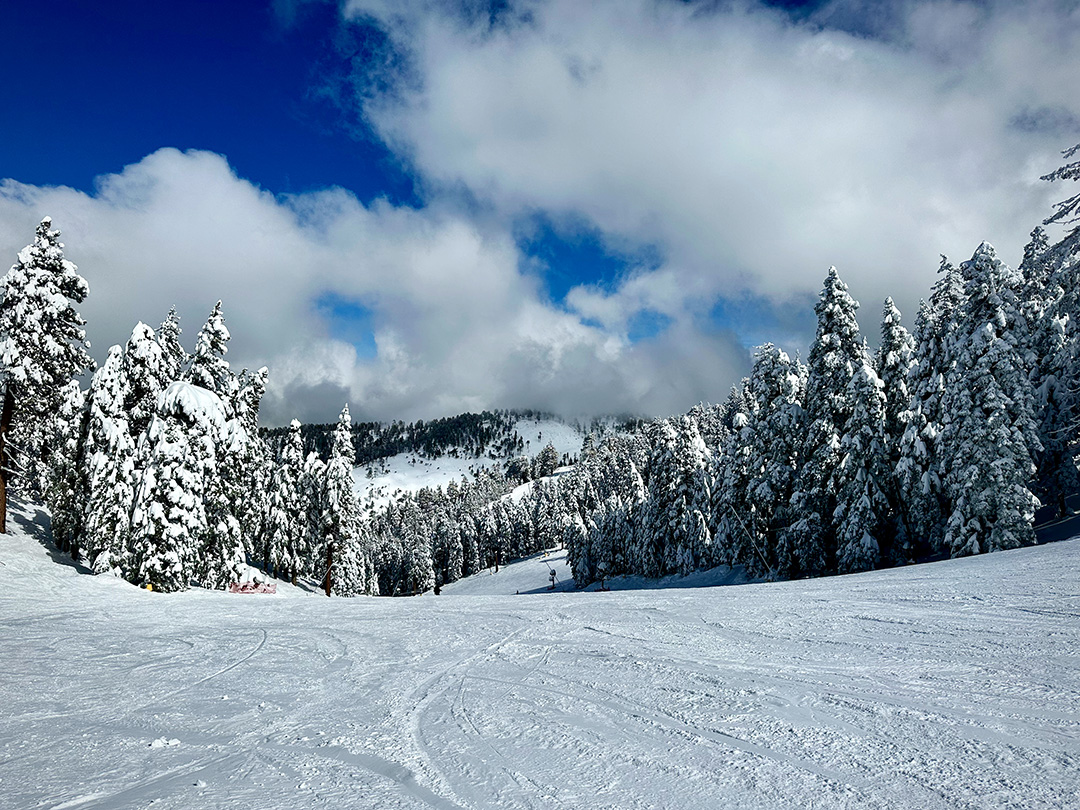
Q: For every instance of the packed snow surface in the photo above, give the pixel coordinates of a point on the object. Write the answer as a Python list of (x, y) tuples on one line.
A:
[(951, 685)]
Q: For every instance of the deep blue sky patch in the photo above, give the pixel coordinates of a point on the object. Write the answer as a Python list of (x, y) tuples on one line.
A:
[(88, 88), (574, 254), (349, 321)]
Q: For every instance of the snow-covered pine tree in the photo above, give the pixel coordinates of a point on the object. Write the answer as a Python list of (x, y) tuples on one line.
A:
[(42, 347), (65, 491), (920, 468), (209, 368), (311, 499), (862, 510), (285, 520), (730, 476), (837, 354), (776, 386), (546, 462), (679, 495), (221, 555), (174, 357), (989, 435), (446, 551), (345, 575), (109, 464), (247, 469), (893, 363), (1056, 341), (145, 375), (1044, 302), (1067, 213), (177, 458), (417, 574)]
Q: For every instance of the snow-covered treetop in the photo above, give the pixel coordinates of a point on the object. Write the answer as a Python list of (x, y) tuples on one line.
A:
[(209, 368), (196, 405), (342, 446), (42, 342), (175, 357)]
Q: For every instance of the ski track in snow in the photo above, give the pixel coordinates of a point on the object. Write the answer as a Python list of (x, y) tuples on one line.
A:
[(951, 685)]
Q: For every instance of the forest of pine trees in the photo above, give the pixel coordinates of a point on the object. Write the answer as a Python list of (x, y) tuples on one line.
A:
[(944, 442)]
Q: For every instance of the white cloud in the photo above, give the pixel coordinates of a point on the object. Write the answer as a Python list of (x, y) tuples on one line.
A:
[(755, 152), (456, 325)]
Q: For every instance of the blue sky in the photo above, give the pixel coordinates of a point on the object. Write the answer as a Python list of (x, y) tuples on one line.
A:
[(426, 207)]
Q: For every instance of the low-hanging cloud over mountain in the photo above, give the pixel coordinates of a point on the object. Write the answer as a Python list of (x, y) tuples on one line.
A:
[(451, 322)]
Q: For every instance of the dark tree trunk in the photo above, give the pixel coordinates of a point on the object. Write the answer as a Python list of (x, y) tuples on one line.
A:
[(5, 425), (329, 565)]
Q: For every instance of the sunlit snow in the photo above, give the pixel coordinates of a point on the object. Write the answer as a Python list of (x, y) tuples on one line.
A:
[(946, 685)]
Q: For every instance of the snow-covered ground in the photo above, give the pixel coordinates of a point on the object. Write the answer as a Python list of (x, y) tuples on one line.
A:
[(409, 472), (951, 685)]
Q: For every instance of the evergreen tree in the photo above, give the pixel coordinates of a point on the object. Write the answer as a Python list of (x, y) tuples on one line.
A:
[(145, 377), (893, 363), (311, 500), (285, 519), (862, 509), (989, 433), (920, 469), (65, 492), (773, 426), (42, 347), (340, 514), (1056, 342), (109, 461), (731, 473), (169, 522), (174, 357), (209, 368), (547, 461), (245, 461), (837, 354), (417, 571)]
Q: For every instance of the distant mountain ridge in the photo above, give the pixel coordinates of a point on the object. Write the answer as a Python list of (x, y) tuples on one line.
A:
[(468, 435)]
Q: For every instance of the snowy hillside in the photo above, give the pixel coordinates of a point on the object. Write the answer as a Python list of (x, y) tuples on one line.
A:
[(409, 472), (950, 685)]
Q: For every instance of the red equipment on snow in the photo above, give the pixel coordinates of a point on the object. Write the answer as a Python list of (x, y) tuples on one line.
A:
[(253, 587)]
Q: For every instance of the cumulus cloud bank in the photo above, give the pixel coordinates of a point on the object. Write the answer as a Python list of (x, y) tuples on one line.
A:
[(753, 151), (454, 324), (745, 151)]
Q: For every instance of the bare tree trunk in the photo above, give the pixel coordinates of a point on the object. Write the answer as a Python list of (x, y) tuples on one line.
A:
[(5, 425), (329, 565)]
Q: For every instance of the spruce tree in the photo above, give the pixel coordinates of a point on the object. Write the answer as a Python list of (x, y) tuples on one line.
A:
[(920, 469), (169, 524), (209, 368), (893, 363), (285, 519), (65, 491), (146, 376), (837, 354), (109, 459), (862, 508), (42, 347), (771, 434), (340, 514), (989, 434), (174, 357)]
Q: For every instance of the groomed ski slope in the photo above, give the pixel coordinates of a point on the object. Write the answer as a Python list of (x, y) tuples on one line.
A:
[(951, 685)]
